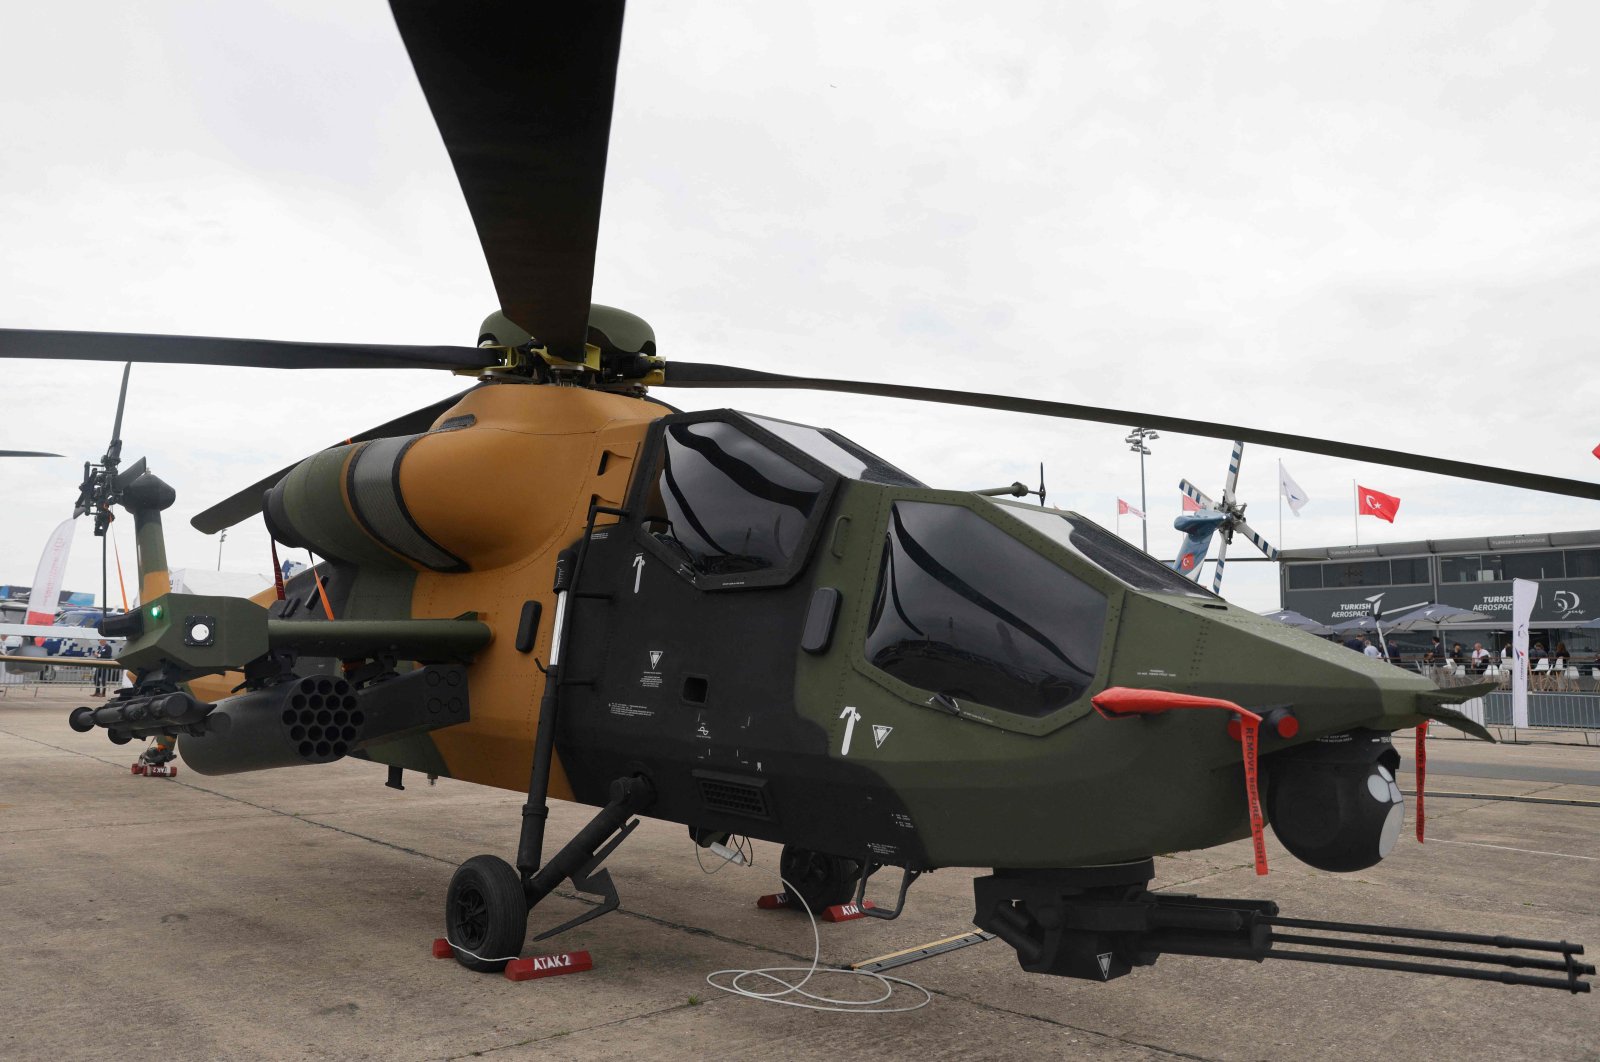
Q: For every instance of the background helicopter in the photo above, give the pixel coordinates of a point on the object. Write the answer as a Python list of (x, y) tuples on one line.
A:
[(620, 340)]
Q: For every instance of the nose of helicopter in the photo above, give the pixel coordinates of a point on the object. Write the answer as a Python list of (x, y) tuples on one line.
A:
[(1212, 648)]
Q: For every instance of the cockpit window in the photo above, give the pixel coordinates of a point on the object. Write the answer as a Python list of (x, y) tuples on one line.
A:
[(1132, 566), (730, 504), (837, 452), (967, 611)]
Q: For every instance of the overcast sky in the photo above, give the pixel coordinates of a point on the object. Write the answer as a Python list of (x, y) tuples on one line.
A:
[(1359, 220)]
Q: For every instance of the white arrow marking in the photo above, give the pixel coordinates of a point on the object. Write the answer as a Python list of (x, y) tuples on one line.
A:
[(638, 570), (849, 715)]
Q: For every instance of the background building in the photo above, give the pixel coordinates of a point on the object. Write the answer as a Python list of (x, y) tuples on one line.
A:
[(1337, 583)]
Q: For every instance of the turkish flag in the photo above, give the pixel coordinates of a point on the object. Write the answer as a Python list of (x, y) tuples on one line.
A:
[(1596, 451), (1190, 505), (1371, 502), (1122, 507)]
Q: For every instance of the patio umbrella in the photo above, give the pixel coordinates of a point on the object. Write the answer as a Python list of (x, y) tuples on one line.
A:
[(1365, 624), (1434, 616), (1295, 619)]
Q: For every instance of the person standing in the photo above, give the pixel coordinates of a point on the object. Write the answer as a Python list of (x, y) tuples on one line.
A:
[(1371, 650), (1480, 658), (101, 652)]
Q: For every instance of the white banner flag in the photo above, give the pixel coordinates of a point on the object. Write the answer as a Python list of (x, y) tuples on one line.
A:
[(1292, 492), (46, 591), (1523, 594)]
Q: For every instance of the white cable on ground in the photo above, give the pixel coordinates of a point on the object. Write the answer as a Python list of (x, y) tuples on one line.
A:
[(818, 1002)]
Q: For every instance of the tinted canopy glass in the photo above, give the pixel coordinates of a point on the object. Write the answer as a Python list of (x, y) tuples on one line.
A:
[(837, 452), (965, 610), (731, 504)]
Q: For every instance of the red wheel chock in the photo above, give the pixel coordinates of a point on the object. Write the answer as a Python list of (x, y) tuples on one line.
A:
[(839, 912)]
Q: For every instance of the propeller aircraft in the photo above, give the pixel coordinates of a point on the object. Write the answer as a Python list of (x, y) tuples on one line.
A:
[(556, 584), (1226, 517)]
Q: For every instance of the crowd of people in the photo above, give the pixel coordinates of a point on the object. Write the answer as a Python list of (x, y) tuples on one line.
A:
[(1476, 661)]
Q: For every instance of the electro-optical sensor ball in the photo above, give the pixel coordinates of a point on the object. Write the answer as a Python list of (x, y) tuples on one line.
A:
[(1334, 803)]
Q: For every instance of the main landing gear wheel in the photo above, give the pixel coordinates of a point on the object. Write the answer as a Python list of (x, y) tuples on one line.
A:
[(821, 880), (486, 913)]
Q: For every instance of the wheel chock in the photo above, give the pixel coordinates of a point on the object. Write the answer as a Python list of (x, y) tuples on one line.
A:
[(442, 949), (549, 965), (839, 912), (846, 912)]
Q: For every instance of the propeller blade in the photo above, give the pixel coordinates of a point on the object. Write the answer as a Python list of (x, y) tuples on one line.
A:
[(704, 375), (1256, 540), (255, 353), (26, 453), (1197, 494), (1222, 560), (246, 503), (522, 93), (1230, 485)]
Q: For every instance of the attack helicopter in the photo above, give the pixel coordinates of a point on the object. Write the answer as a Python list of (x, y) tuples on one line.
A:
[(555, 584)]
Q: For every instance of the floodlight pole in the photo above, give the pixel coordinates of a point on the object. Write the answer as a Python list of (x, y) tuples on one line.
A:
[(1136, 440)]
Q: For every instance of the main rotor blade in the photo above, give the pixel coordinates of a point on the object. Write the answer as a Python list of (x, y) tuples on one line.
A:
[(679, 374), (254, 353), (246, 503), (521, 93), (26, 453)]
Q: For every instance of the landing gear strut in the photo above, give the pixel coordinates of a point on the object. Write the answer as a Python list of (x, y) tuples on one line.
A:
[(489, 900), (487, 905)]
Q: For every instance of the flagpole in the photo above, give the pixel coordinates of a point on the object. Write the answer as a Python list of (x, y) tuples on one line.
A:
[(1355, 509), (1280, 503)]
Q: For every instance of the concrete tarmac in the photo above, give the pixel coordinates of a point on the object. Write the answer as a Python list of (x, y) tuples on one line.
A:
[(288, 914)]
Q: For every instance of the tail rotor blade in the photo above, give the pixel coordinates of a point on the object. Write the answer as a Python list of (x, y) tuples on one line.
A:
[(26, 453), (114, 447)]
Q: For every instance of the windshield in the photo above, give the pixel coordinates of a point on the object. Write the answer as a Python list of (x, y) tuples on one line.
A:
[(966, 611), (731, 504)]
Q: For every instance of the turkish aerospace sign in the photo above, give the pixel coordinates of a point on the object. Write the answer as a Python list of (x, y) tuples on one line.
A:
[(1571, 601)]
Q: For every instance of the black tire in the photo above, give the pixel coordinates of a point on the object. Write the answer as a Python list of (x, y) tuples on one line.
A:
[(486, 913), (820, 879)]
